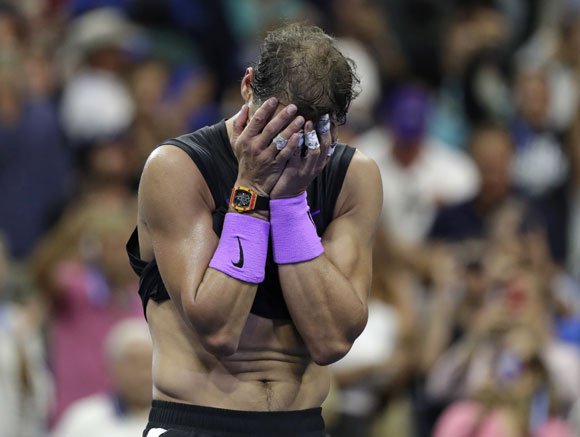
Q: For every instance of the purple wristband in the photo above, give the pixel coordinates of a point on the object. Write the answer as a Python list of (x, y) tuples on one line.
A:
[(294, 237), (243, 246)]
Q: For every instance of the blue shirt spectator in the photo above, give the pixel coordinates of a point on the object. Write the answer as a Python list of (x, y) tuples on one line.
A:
[(34, 171)]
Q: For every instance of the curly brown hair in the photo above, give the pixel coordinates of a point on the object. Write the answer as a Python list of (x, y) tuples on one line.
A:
[(299, 64)]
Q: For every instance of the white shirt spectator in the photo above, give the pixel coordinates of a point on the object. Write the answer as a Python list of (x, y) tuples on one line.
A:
[(98, 416), (439, 176), (374, 346), (540, 165), (25, 383)]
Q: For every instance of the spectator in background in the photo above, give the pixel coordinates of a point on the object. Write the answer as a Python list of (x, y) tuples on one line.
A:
[(168, 99), (574, 418), (149, 81), (510, 364), (34, 163), (419, 174), (539, 162), (175, 26), (81, 270), (491, 148), (96, 102), (25, 383), (370, 24), (474, 85), (493, 225), (515, 317), (422, 47), (123, 411), (569, 40), (559, 209)]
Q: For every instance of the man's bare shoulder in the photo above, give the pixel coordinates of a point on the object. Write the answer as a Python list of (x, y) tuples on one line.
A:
[(362, 185), (171, 184), (167, 161), (363, 164)]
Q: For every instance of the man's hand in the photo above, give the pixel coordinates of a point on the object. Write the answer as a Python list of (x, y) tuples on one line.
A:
[(301, 170), (260, 162)]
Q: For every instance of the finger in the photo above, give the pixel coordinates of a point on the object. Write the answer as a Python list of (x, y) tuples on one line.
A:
[(278, 123), (299, 153), (240, 121), (313, 163), (288, 152), (261, 117), (282, 140), (296, 161)]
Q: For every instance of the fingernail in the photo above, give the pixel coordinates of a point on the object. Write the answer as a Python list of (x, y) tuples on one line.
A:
[(299, 121), (272, 101), (291, 109), (312, 140)]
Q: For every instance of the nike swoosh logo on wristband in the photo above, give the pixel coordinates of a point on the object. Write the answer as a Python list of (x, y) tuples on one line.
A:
[(240, 263)]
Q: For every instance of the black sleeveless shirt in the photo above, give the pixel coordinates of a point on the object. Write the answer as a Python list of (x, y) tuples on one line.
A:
[(210, 150)]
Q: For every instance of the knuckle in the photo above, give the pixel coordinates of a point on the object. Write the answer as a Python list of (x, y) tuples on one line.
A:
[(258, 119)]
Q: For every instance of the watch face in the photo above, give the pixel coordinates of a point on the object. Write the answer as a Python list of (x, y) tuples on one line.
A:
[(242, 199)]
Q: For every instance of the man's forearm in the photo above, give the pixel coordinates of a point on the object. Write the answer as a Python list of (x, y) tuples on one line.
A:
[(218, 310), (324, 306)]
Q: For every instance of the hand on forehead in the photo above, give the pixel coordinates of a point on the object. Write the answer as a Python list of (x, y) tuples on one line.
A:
[(318, 131), (319, 120)]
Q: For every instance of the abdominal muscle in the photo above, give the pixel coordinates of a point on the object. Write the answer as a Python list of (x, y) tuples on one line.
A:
[(270, 371)]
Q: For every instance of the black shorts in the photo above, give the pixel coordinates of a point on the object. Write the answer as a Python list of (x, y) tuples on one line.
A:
[(185, 420)]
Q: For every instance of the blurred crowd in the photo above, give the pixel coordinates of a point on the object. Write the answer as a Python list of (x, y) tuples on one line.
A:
[(469, 108)]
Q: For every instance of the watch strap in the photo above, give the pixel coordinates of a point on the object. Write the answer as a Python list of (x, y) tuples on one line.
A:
[(262, 203)]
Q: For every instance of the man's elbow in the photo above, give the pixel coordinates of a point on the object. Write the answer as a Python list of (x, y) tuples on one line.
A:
[(219, 344), (214, 335), (327, 352), (330, 352)]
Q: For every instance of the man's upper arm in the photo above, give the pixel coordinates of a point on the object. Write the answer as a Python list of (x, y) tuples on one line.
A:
[(348, 240), (174, 205)]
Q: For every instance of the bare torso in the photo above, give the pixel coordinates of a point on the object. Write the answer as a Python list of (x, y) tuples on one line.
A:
[(270, 371)]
